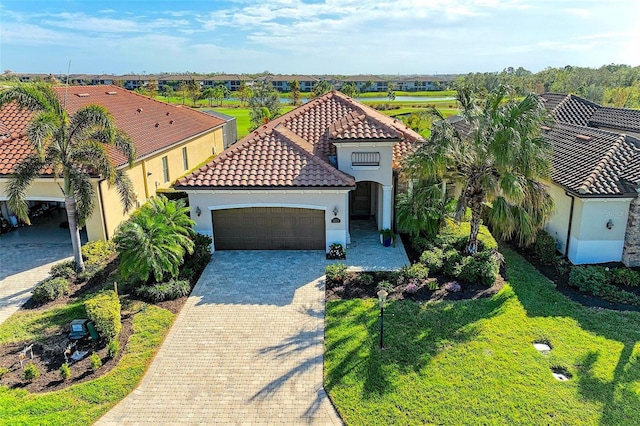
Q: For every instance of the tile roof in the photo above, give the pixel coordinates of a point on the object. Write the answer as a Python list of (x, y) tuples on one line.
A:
[(576, 110), (587, 161), (358, 126), (591, 161), (616, 118), (294, 149), (152, 125)]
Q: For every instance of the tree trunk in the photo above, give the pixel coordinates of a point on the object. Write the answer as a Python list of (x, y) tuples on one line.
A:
[(476, 212), (70, 205)]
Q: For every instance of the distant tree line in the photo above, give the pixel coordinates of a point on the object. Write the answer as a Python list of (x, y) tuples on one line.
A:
[(614, 85)]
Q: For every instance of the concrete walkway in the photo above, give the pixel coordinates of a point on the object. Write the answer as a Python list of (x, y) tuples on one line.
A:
[(247, 348), (26, 256)]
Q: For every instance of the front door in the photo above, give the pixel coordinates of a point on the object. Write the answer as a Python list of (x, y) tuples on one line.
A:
[(361, 199)]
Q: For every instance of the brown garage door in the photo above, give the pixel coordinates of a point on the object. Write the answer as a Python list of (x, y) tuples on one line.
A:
[(269, 228)]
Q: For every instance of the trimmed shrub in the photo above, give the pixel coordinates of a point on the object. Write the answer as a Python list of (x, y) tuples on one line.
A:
[(362, 279), (480, 268), (195, 262), (384, 285), (31, 372), (3, 371), (113, 348), (624, 276), (65, 269), (588, 278), (50, 289), (98, 252), (451, 259), (336, 273), (95, 360), (417, 270), (169, 290), (433, 260), (458, 236), (65, 371), (544, 248), (421, 244), (104, 310), (411, 288)]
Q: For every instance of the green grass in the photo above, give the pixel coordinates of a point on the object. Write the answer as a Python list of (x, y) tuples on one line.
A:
[(38, 325), (242, 117), (84, 403), (472, 362)]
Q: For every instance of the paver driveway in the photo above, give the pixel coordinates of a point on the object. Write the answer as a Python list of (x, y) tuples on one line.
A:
[(247, 348)]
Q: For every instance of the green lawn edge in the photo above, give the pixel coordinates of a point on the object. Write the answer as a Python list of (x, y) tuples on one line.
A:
[(472, 362), (86, 402)]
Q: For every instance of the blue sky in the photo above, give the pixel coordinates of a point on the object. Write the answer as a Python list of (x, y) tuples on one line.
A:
[(315, 36)]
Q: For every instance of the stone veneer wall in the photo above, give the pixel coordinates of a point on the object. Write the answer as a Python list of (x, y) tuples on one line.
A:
[(631, 251)]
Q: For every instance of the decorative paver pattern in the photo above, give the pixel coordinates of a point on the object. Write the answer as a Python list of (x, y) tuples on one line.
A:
[(247, 348), (21, 267)]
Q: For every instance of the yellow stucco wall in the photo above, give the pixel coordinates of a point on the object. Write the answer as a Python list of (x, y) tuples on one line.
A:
[(101, 226)]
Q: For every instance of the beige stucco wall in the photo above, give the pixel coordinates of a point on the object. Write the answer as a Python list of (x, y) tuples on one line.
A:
[(321, 199), (559, 222), (101, 226), (382, 174), (590, 240)]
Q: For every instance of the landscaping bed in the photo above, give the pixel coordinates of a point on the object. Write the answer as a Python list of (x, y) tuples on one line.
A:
[(48, 357)]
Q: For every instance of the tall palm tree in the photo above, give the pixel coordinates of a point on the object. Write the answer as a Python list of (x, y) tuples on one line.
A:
[(155, 239), (499, 161), (74, 148)]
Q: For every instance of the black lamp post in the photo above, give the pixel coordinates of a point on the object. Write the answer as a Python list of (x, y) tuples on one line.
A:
[(382, 298)]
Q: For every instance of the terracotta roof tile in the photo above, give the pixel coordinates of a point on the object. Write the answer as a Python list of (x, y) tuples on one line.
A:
[(294, 149), (135, 114), (360, 126)]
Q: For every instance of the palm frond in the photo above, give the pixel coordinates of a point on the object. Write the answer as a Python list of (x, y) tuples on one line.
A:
[(25, 173), (125, 189), (84, 194)]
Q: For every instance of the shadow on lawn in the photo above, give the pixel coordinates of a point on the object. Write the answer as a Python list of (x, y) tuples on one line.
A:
[(539, 298), (413, 335)]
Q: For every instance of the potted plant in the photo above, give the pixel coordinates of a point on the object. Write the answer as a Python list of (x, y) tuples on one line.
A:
[(386, 237), (336, 251)]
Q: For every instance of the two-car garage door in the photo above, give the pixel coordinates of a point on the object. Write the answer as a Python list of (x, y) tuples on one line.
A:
[(269, 228)]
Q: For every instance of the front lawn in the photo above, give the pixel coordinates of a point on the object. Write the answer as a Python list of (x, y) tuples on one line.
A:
[(472, 362), (83, 403)]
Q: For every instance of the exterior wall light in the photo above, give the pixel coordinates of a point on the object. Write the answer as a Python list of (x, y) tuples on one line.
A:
[(335, 211), (198, 211), (609, 224)]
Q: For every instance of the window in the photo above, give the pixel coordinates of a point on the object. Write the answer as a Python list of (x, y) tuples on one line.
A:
[(185, 159), (365, 159), (165, 168)]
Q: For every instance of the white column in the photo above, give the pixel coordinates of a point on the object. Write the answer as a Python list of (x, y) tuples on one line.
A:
[(387, 205)]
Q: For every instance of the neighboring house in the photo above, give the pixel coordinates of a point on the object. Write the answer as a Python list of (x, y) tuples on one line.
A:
[(296, 182), (170, 140), (596, 174), (595, 179), (367, 83), (282, 83)]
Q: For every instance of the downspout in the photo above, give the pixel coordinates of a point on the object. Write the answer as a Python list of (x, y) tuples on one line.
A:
[(566, 250), (144, 179)]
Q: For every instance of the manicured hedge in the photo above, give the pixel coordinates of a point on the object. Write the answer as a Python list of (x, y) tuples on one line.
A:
[(104, 311)]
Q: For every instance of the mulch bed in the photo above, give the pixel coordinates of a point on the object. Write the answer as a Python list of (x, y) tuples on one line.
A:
[(352, 289), (561, 281), (48, 355)]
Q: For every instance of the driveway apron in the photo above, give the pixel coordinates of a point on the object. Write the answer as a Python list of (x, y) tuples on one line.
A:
[(247, 348), (22, 265)]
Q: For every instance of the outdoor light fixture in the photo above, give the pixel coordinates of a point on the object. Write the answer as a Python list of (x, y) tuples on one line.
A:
[(382, 298), (609, 224), (149, 173), (335, 211), (198, 211)]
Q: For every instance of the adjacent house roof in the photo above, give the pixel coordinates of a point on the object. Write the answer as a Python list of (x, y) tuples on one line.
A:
[(152, 125), (576, 110), (592, 162), (294, 150)]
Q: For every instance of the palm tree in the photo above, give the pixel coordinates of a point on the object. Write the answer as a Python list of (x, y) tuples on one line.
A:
[(74, 148), (321, 87), (154, 239), (500, 162)]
